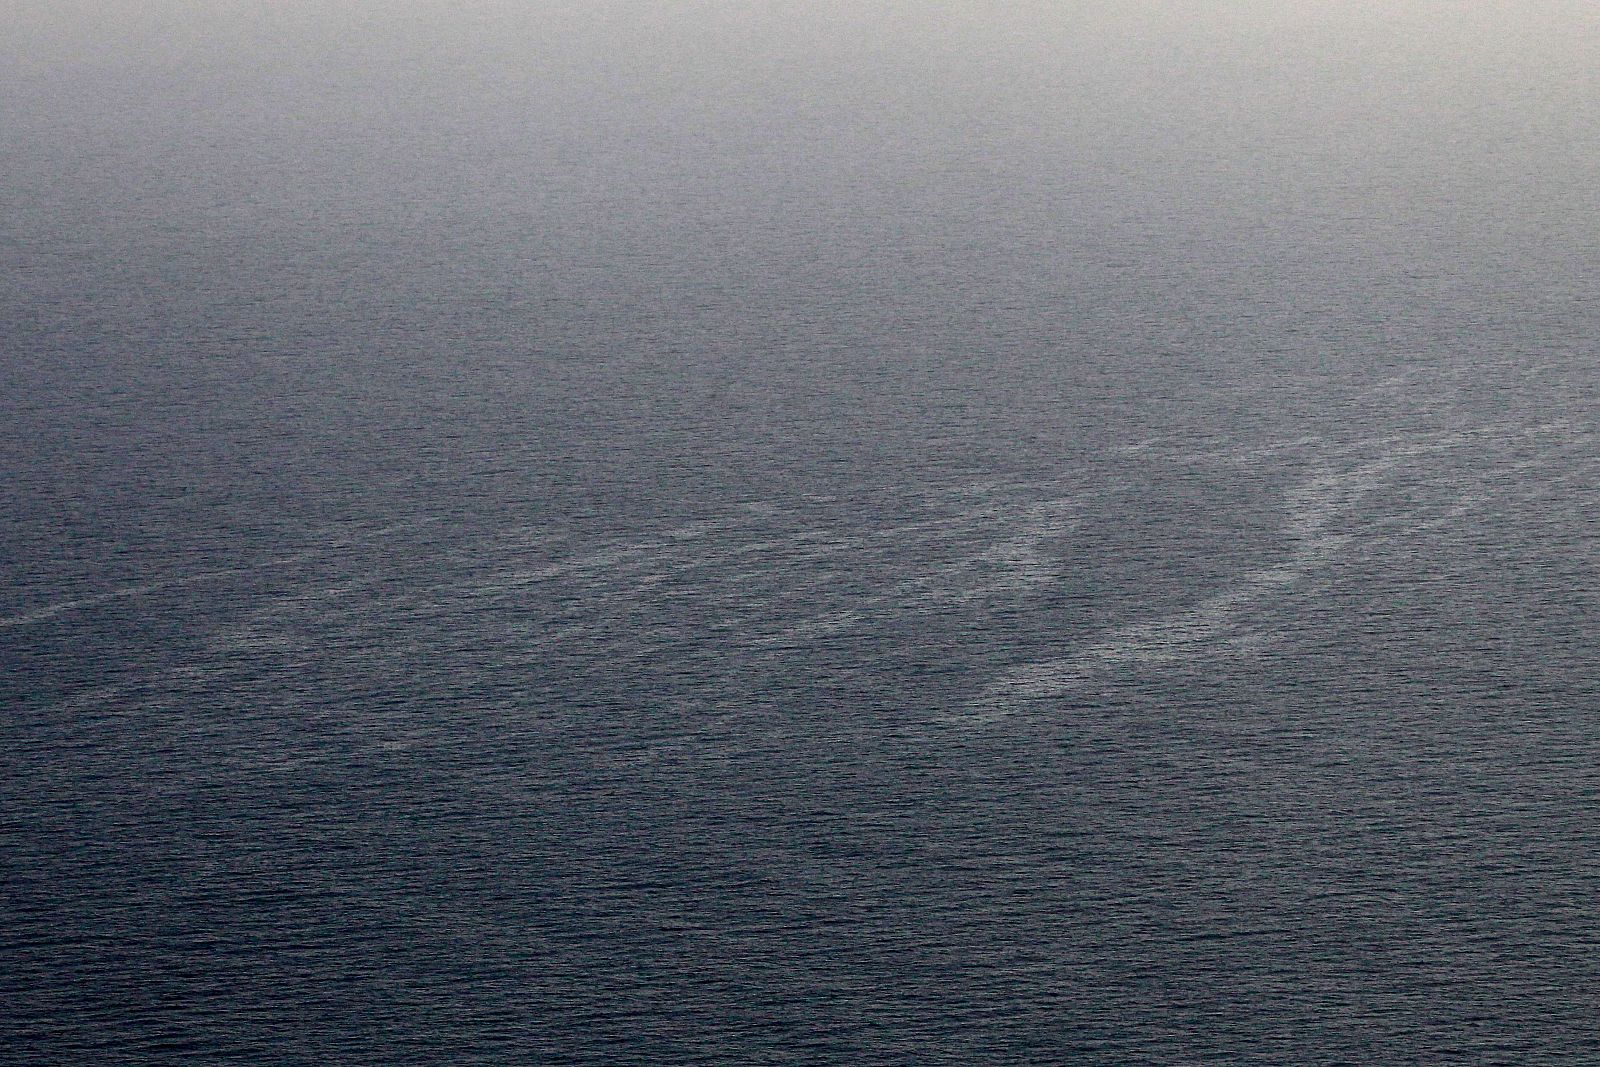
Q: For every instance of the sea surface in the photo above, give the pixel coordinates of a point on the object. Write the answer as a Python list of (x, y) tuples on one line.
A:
[(746, 536)]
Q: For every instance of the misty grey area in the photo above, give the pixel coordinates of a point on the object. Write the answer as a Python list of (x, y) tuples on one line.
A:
[(756, 533)]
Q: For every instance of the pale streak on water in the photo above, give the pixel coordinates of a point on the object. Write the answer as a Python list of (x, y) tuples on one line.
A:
[(1322, 520), (994, 544)]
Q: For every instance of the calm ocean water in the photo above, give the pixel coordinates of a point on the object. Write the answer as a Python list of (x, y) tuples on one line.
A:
[(754, 537)]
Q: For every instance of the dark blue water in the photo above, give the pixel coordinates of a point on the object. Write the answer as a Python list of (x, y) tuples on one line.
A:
[(796, 539)]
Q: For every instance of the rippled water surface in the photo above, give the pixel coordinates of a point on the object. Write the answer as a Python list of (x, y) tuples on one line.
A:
[(863, 560)]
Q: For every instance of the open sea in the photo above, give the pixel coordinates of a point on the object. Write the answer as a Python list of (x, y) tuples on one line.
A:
[(929, 533)]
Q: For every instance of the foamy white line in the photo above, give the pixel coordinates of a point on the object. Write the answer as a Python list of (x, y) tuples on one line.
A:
[(62, 607), (1211, 627)]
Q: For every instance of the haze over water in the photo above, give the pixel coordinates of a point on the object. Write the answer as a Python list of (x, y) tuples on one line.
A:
[(876, 533)]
